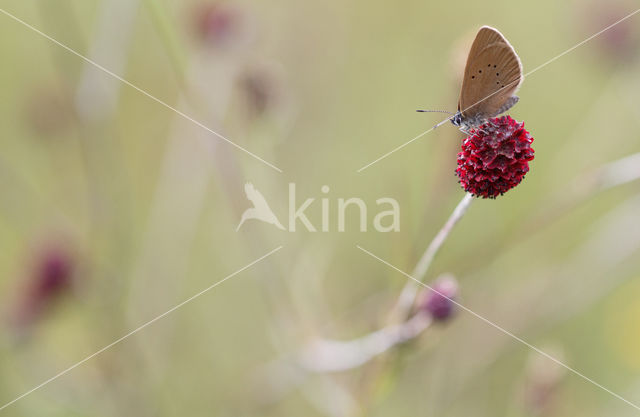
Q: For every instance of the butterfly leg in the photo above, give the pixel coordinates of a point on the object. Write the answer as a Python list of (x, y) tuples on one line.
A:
[(465, 131), (470, 133)]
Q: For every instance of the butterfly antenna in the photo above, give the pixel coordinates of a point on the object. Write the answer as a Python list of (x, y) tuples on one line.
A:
[(435, 111)]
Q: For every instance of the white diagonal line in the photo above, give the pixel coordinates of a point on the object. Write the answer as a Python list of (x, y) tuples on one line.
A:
[(131, 333), (506, 86), (508, 333), (135, 87), (395, 149)]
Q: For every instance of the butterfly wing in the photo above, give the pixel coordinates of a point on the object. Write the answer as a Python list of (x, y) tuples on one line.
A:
[(491, 77)]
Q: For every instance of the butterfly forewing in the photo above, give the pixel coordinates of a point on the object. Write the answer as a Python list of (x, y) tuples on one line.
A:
[(492, 75)]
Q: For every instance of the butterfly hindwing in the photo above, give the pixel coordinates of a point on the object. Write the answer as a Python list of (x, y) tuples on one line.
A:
[(492, 75)]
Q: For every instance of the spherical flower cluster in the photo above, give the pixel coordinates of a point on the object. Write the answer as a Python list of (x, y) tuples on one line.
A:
[(495, 157)]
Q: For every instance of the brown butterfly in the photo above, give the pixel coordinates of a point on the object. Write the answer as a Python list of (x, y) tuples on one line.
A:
[(491, 77)]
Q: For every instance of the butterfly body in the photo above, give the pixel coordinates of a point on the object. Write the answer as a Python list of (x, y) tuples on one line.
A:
[(492, 75), (470, 122)]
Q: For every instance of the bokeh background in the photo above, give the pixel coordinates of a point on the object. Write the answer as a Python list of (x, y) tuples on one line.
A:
[(113, 208)]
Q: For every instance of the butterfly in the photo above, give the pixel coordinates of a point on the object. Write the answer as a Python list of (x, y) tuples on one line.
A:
[(492, 76)]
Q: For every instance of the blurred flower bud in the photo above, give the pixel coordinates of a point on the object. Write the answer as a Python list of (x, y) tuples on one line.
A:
[(620, 43), (48, 111), (221, 25), (541, 380), (51, 277), (439, 302), (261, 89)]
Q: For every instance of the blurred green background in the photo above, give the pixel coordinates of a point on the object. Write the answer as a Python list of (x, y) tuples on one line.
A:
[(133, 209)]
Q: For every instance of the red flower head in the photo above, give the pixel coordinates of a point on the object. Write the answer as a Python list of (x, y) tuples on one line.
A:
[(495, 158)]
